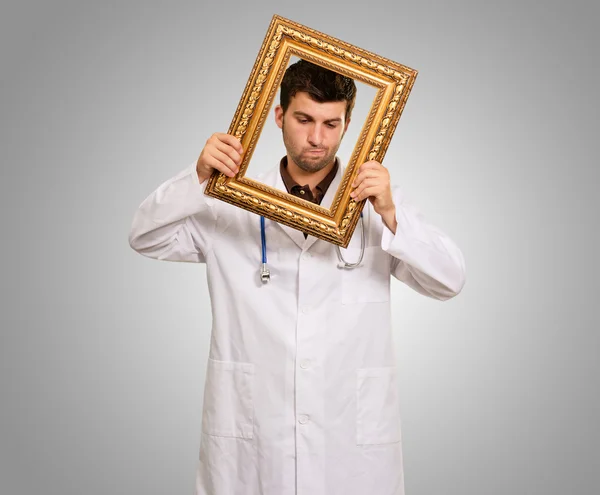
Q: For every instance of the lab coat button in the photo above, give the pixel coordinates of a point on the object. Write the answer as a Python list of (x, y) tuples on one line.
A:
[(303, 419), (306, 310), (304, 365), (306, 256)]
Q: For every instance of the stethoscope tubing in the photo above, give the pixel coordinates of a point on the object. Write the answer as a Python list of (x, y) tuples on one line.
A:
[(265, 274)]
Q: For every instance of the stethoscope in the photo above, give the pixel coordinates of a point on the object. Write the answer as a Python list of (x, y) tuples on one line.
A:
[(265, 274)]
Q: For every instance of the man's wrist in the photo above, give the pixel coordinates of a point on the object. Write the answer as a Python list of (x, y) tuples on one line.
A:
[(201, 177), (389, 218)]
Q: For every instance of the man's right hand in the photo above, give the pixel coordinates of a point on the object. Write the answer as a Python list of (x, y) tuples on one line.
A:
[(222, 152)]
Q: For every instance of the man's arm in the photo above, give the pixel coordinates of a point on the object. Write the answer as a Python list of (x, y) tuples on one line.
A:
[(424, 257), (177, 222)]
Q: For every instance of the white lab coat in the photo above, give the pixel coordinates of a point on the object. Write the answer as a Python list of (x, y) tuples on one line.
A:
[(301, 392)]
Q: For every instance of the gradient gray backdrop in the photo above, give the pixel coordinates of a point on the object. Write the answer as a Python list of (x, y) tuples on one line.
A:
[(103, 351)]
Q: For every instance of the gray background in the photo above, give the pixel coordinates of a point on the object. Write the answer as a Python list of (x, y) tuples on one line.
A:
[(103, 351)]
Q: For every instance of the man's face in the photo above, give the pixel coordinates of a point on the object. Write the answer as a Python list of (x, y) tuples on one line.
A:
[(312, 131)]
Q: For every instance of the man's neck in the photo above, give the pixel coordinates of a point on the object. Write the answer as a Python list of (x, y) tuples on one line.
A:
[(309, 178)]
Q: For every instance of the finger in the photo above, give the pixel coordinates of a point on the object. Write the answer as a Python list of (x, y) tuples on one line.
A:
[(370, 165), (358, 189), (231, 141), (364, 184), (229, 150), (367, 192), (224, 159), (366, 174), (216, 164)]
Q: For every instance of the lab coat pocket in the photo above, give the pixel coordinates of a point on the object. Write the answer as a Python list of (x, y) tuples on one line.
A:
[(369, 281), (378, 406), (228, 409)]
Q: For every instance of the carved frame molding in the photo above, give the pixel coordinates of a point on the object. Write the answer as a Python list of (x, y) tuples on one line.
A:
[(285, 38)]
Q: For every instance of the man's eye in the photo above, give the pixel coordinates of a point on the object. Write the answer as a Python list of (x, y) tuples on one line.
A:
[(332, 126), (302, 121)]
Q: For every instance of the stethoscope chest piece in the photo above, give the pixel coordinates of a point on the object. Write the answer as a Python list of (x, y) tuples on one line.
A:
[(265, 274)]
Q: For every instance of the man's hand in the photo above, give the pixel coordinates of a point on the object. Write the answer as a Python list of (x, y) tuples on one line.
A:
[(222, 152), (373, 182)]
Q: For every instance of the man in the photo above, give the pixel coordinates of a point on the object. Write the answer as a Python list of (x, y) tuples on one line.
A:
[(301, 394)]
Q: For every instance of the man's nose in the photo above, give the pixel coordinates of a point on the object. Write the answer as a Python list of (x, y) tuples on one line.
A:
[(315, 136)]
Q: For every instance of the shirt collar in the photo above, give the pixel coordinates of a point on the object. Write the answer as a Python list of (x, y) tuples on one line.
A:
[(291, 183)]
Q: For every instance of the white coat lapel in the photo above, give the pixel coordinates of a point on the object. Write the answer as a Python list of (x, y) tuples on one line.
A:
[(326, 203), (273, 178)]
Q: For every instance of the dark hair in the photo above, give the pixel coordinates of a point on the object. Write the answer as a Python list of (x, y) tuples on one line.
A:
[(321, 84)]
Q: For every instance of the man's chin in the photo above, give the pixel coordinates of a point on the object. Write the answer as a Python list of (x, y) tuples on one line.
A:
[(314, 163), (311, 166)]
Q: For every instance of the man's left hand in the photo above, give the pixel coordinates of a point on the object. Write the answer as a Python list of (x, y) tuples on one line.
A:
[(373, 182)]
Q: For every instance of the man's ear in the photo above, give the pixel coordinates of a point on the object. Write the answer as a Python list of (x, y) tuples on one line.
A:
[(279, 116), (346, 126)]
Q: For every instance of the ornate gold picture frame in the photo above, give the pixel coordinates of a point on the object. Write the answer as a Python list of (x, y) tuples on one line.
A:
[(392, 82)]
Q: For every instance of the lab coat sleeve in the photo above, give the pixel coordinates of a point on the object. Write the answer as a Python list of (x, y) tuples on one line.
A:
[(423, 257), (176, 222)]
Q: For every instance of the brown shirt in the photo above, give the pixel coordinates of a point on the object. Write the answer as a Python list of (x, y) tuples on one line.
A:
[(304, 191)]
